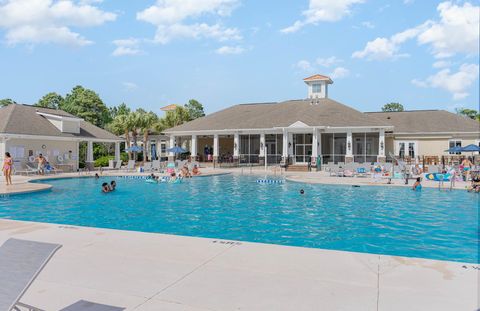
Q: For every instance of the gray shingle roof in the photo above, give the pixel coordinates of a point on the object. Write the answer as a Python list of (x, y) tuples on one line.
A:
[(270, 115), (24, 119), (428, 121)]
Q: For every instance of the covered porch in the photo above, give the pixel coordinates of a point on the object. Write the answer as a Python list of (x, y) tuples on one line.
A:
[(297, 144)]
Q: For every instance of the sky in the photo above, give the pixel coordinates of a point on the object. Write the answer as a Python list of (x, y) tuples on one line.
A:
[(423, 54)]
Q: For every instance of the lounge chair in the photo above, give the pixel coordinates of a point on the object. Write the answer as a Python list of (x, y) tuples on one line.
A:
[(20, 263), (147, 167), (130, 166), (156, 165), (84, 305), (31, 169)]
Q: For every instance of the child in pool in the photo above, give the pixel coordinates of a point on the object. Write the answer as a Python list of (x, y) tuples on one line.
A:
[(105, 187), (417, 185)]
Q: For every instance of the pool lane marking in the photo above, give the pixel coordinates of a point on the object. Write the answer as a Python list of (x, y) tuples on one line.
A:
[(188, 274)]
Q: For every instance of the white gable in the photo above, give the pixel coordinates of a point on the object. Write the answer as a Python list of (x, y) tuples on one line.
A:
[(64, 124), (298, 124)]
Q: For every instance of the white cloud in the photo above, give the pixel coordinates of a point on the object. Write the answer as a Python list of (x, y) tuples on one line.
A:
[(171, 17), (456, 83), (304, 65), (456, 32), (388, 48), (129, 86), (230, 50), (441, 64), (339, 72), (127, 47), (368, 24), (327, 62), (323, 11), (49, 21)]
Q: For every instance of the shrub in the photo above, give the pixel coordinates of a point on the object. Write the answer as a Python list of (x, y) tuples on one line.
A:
[(103, 161)]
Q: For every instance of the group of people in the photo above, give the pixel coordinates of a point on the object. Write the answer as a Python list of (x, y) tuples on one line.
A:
[(106, 187)]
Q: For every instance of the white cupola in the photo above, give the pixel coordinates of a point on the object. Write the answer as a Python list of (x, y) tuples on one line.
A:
[(318, 86)]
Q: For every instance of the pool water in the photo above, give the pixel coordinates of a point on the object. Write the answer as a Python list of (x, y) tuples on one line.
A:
[(373, 219)]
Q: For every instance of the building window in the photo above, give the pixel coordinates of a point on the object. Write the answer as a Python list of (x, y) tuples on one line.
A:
[(316, 88), (454, 143), (163, 147)]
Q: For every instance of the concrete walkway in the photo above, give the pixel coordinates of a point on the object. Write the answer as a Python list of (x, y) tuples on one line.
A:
[(151, 272)]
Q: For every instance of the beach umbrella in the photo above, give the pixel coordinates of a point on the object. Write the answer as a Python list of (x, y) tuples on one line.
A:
[(133, 149), (177, 150), (471, 148)]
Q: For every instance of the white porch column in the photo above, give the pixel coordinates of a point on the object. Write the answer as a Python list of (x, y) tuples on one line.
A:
[(216, 146), (381, 146), (89, 151), (314, 144), (262, 145), (171, 144), (349, 152), (290, 141), (236, 145), (193, 151), (285, 145), (117, 151), (3, 149)]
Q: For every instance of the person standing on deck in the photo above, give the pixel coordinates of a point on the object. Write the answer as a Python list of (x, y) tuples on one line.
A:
[(7, 168)]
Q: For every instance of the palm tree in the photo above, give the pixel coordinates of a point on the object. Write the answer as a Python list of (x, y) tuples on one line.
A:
[(146, 121), (125, 124)]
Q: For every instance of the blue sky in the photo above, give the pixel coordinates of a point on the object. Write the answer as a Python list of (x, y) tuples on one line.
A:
[(147, 53)]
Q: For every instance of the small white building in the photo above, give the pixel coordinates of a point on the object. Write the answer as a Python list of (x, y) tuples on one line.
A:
[(27, 131)]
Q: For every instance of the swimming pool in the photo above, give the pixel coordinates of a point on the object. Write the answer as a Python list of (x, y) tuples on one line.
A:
[(374, 219)]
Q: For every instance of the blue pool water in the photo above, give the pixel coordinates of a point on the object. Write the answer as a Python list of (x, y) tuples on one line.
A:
[(383, 220)]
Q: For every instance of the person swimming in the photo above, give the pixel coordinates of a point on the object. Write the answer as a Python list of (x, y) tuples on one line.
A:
[(113, 185), (105, 187), (96, 176), (302, 191), (417, 185)]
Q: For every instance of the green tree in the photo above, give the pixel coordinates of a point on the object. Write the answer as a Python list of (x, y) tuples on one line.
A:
[(146, 121), (174, 118), (119, 110), (51, 100), (6, 101), (392, 107), (86, 104), (195, 109), (470, 113)]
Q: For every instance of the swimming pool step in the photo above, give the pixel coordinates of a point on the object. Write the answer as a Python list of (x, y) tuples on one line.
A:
[(297, 168)]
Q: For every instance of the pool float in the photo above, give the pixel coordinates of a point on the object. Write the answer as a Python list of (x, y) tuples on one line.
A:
[(438, 176)]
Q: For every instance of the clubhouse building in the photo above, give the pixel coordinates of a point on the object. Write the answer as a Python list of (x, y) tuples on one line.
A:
[(319, 128)]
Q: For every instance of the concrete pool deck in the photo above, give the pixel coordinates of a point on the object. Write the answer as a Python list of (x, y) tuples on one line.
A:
[(150, 272)]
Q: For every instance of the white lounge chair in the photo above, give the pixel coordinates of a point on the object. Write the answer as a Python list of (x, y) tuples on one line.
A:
[(147, 167), (130, 166), (20, 263), (156, 165)]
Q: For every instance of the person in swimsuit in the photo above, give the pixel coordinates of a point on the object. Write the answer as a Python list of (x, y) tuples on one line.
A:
[(417, 185), (41, 164), (7, 168), (467, 166)]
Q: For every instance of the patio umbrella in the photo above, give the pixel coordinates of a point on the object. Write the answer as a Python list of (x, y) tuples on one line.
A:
[(177, 150), (133, 149), (455, 149), (471, 148)]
